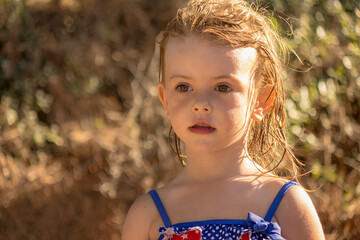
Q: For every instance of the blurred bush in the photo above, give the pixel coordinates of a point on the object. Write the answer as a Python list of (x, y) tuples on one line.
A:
[(83, 134), (324, 107)]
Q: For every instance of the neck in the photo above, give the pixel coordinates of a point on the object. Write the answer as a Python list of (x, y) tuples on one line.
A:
[(226, 164)]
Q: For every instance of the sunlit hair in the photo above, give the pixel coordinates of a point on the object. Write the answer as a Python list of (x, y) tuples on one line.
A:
[(238, 24)]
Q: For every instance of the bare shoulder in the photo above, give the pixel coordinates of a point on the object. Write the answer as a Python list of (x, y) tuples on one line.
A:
[(139, 219), (297, 216)]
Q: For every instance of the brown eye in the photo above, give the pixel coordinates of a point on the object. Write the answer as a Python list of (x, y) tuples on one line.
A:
[(183, 88), (223, 88)]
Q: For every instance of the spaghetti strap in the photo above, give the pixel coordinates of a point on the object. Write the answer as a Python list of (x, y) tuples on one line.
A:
[(154, 195), (277, 200)]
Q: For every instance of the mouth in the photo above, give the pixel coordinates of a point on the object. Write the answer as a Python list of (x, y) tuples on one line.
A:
[(202, 128)]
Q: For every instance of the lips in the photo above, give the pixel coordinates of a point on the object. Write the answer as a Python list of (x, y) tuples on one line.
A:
[(202, 128)]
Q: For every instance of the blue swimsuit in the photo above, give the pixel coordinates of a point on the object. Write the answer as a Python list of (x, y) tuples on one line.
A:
[(223, 229)]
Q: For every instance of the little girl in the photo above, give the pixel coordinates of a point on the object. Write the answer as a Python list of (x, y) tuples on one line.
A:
[(221, 86)]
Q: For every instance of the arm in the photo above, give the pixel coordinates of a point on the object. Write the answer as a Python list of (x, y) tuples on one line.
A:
[(138, 220), (297, 216)]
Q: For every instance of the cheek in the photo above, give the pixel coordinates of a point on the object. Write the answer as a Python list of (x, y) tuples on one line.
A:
[(236, 103), (237, 111), (236, 122), (236, 116), (174, 105)]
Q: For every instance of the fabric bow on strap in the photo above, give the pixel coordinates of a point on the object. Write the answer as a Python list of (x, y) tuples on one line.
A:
[(271, 229)]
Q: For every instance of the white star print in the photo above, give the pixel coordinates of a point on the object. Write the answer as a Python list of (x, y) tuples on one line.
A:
[(184, 236)]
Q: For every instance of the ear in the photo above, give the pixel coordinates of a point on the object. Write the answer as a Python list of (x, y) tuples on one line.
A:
[(264, 101), (162, 97)]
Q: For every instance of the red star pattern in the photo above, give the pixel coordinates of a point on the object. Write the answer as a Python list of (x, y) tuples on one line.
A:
[(189, 235), (245, 236)]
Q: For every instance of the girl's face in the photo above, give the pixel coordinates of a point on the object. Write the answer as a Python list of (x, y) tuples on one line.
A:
[(206, 92)]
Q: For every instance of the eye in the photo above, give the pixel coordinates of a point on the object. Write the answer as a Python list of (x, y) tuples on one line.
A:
[(183, 88), (223, 88)]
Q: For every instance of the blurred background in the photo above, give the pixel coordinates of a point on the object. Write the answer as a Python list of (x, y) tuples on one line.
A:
[(82, 132)]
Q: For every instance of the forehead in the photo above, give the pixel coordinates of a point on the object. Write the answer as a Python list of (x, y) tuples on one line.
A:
[(194, 52)]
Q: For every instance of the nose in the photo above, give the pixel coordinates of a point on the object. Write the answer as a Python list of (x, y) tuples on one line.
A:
[(201, 104)]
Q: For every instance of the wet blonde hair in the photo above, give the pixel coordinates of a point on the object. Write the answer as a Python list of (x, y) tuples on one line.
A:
[(237, 24)]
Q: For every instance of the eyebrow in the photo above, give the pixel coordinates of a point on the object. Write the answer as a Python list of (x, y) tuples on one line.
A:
[(187, 77), (179, 76), (224, 76)]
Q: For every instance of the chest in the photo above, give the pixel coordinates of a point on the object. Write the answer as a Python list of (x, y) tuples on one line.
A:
[(221, 203), (210, 204)]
